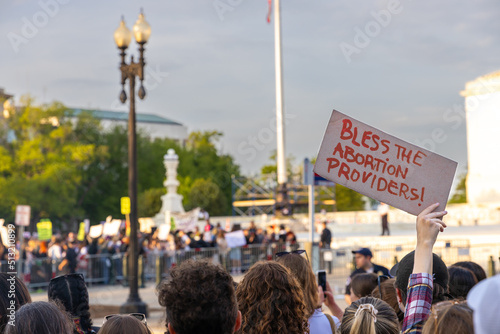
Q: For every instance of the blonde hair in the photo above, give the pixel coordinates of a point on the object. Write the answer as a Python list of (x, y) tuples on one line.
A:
[(303, 272), (369, 315)]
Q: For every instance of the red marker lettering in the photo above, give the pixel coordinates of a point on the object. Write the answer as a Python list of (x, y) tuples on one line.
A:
[(332, 163)]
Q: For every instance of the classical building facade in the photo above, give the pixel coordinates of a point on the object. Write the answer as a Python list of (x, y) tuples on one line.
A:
[(482, 106)]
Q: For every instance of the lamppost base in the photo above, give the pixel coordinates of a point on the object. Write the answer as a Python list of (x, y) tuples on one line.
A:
[(134, 306)]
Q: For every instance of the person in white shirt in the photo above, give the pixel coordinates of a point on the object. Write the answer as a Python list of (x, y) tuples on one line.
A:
[(55, 251)]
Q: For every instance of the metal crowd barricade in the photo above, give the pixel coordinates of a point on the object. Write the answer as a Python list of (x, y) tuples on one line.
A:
[(4, 266), (450, 251), (40, 271), (235, 260), (102, 268), (98, 269), (156, 266)]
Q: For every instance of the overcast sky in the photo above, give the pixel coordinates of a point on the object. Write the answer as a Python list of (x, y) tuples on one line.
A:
[(211, 65)]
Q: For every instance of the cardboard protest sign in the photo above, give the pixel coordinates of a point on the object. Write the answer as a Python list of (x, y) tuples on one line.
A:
[(146, 225), (125, 205), (382, 166), (186, 221), (81, 232), (112, 227), (163, 232), (4, 235), (44, 229), (95, 231), (235, 239)]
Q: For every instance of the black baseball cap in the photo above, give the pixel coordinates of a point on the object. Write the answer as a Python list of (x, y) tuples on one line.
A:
[(363, 251), (405, 268)]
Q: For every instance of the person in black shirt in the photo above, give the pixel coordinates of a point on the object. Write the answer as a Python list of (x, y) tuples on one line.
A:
[(363, 259), (326, 237), (70, 262)]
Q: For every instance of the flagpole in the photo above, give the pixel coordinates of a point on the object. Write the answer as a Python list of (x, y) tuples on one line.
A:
[(282, 197)]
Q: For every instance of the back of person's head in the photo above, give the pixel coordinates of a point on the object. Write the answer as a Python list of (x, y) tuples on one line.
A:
[(302, 270), (461, 281), (40, 318), (12, 289), (484, 300), (199, 297), (271, 301), (124, 324), (474, 267), (439, 271), (363, 284), (387, 293), (369, 316), (450, 316), (71, 292)]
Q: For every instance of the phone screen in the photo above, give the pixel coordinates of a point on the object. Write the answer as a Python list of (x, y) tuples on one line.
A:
[(322, 279)]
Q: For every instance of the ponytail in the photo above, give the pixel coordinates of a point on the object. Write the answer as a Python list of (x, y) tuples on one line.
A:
[(364, 319), (371, 316)]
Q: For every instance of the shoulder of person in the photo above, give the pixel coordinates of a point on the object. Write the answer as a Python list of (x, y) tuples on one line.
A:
[(380, 270), (357, 271)]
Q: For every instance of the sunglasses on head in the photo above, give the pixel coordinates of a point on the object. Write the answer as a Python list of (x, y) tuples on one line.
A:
[(139, 316), (298, 252), (381, 279)]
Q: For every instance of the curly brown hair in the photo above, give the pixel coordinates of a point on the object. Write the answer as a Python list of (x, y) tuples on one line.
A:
[(199, 298), (271, 301)]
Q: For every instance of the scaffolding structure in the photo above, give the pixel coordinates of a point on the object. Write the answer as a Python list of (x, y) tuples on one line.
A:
[(252, 196)]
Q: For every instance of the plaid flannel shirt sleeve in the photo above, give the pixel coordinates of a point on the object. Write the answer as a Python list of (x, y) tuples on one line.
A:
[(419, 302)]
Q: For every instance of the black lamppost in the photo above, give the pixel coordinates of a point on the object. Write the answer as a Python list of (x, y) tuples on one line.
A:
[(123, 36)]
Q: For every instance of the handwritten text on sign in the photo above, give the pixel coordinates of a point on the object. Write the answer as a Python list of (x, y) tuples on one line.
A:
[(382, 166)]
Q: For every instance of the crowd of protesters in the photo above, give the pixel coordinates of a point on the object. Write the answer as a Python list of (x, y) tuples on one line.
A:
[(103, 259), (279, 295), (283, 296)]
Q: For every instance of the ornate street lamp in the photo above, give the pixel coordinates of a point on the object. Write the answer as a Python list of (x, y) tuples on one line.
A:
[(123, 36)]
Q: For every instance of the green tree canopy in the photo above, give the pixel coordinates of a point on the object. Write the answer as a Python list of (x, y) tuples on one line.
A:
[(460, 194), (43, 162), (68, 168)]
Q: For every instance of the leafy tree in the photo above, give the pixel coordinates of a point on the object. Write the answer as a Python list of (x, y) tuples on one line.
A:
[(273, 168), (69, 169), (43, 163), (347, 199), (149, 202), (207, 194), (199, 159), (460, 195)]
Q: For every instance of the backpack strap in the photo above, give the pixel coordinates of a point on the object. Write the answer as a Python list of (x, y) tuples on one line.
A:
[(332, 323)]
